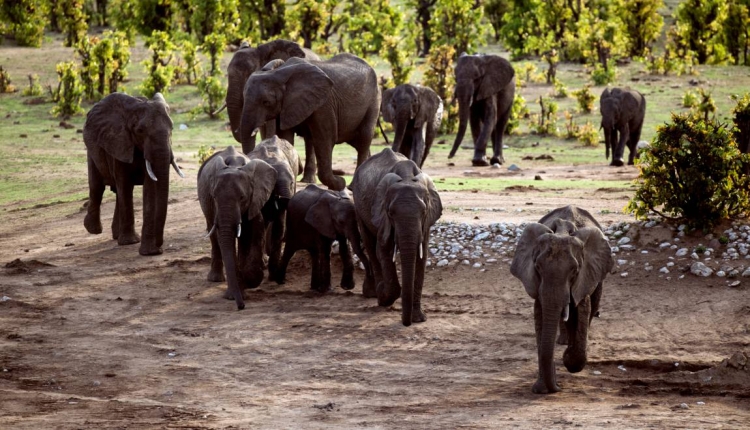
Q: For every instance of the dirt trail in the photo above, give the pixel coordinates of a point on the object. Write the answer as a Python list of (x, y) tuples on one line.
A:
[(95, 336)]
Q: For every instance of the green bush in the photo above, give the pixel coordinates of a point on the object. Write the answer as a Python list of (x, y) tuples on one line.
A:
[(192, 62), (604, 75), (204, 152), (213, 92), (690, 99), (5, 83), (588, 134), (26, 20), (585, 99), (547, 124), (401, 64), (440, 77), (741, 114), (692, 173), (34, 89), (158, 68), (561, 91), (72, 20), (517, 111), (706, 105), (69, 90)]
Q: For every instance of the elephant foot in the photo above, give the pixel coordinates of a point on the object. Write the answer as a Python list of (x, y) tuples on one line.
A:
[(417, 315), (497, 160), (387, 298), (480, 162), (347, 283), (216, 276), (150, 250), (93, 224), (562, 339), (368, 288), (617, 163), (128, 239), (572, 361), (251, 284), (540, 388), (321, 288), (229, 296), (308, 178), (630, 163)]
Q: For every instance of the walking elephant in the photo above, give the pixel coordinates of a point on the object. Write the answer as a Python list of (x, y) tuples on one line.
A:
[(396, 205), (623, 111), (485, 87), (128, 143), (325, 102), (415, 113), (562, 261), (232, 190), (315, 218), (282, 156)]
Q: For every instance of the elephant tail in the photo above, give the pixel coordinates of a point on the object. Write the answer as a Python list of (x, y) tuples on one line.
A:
[(383, 132)]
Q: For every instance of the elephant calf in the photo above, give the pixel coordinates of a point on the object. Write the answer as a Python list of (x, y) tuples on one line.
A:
[(315, 218), (233, 189), (562, 261), (623, 112)]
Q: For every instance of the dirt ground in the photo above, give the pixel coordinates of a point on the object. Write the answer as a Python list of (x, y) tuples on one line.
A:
[(93, 335)]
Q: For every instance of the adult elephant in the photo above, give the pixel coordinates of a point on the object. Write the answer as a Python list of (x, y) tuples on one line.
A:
[(128, 143), (232, 190), (315, 218), (415, 113), (562, 261), (623, 111), (485, 87), (325, 102), (396, 205), (282, 156)]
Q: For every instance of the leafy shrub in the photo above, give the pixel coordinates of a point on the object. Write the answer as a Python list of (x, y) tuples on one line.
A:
[(741, 114), (642, 23), (213, 92), (88, 69), (692, 173), (120, 58), (690, 99), (158, 68), (585, 99), (5, 83), (440, 77), (26, 20), (72, 20), (69, 90), (588, 134), (547, 124), (698, 30), (401, 64), (604, 75), (517, 111), (191, 67), (561, 91), (204, 152), (34, 89), (706, 104), (213, 45)]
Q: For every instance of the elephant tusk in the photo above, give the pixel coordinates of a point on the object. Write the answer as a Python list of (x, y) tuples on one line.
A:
[(150, 171), (276, 204), (239, 229), (566, 312), (210, 232), (421, 253), (216, 112), (177, 169), (254, 132), (395, 250)]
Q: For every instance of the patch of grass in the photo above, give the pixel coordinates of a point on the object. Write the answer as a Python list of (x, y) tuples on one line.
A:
[(502, 184)]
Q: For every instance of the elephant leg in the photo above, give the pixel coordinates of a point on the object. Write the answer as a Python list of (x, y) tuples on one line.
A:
[(115, 226), (92, 221), (389, 289), (289, 252), (310, 163), (619, 150), (429, 138), (324, 152), (250, 253), (315, 280), (475, 120), (574, 356), (498, 132), (216, 273), (417, 314), (124, 209), (596, 297), (373, 277), (324, 257), (489, 119), (635, 137), (347, 273), (274, 248)]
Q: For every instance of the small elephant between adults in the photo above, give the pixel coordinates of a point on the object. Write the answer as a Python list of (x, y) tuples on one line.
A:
[(623, 112), (415, 112), (232, 190), (396, 205), (485, 87), (562, 261), (128, 143), (315, 218)]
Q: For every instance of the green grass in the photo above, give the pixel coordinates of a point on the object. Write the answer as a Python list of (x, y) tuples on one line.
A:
[(500, 184)]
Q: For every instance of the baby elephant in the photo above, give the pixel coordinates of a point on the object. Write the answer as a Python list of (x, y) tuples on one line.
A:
[(562, 261), (315, 218)]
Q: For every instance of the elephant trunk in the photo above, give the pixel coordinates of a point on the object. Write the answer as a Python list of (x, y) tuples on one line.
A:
[(155, 198), (607, 140), (463, 96), (418, 145), (355, 239), (400, 125), (249, 127), (227, 241), (408, 243), (234, 102), (546, 348), (574, 357)]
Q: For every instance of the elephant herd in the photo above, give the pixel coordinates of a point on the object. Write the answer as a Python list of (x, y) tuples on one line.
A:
[(256, 219)]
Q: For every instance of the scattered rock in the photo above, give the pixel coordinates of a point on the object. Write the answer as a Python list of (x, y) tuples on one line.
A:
[(513, 168), (738, 360), (66, 125), (537, 178), (700, 269), (183, 127), (545, 157)]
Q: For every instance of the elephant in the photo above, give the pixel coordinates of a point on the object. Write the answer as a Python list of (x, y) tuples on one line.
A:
[(415, 113), (623, 111), (325, 102), (128, 143), (562, 261), (396, 204), (248, 60), (282, 156), (485, 87), (232, 190), (315, 218)]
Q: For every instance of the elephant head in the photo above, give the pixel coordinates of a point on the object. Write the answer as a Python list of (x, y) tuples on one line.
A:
[(332, 215), (128, 129), (292, 92), (560, 267), (238, 190), (407, 205), (245, 62), (409, 106), (477, 78)]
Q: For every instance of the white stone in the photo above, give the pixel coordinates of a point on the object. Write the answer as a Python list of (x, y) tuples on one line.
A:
[(624, 274), (746, 273), (694, 256), (721, 274), (466, 262), (681, 252), (477, 265), (700, 269), (665, 245), (622, 262), (664, 270), (623, 241), (183, 127), (442, 263)]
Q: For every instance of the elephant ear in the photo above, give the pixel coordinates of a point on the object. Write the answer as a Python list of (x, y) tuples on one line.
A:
[(497, 74), (433, 203), (380, 217), (595, 261), (605, 94), (262, 178), (523, 266), (307, 89), (428, 105), (272, 65), (385, 105), (108, 126), (319, 215)]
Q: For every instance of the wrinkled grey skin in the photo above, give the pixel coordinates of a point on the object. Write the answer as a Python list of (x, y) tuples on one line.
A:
[(415, 113), (623, 111), (282, 156), (325, 102), (396, 205), (121, 134), (232, 190), (248, 60), (562, 261), (315, 218), (485, 86)]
